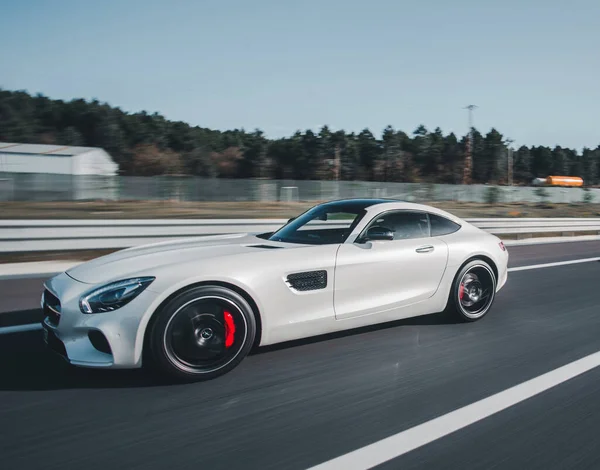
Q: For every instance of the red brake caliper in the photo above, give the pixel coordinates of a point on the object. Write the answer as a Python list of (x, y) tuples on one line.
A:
[(229, 329), (461, 291)]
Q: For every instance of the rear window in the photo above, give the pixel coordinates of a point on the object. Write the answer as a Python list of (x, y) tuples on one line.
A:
[(441, 226)]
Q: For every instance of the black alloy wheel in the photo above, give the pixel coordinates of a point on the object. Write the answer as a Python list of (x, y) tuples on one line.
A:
[(202, 333), (473, 290)]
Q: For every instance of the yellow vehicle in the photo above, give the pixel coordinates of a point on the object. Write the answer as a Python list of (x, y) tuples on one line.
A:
[(574, 181)]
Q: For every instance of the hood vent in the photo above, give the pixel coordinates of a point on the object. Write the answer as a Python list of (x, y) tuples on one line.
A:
[(264, 246)]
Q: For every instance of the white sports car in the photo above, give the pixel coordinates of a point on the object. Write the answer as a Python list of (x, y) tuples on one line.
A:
[(194, 308)]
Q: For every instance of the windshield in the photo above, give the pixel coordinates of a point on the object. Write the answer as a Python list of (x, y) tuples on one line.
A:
[(322, 225)]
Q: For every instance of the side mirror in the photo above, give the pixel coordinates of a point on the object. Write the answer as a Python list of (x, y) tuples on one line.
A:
[(378, 233)]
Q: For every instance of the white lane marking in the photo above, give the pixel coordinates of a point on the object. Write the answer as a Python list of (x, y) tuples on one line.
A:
[(413, 438), (5, 330), (551, 265)]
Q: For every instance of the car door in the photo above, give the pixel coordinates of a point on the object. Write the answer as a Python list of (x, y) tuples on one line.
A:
[(378, 276)]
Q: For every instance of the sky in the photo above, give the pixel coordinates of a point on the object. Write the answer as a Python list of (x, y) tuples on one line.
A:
[(531, 66)]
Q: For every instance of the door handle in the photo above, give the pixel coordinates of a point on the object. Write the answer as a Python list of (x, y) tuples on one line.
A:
[(425, 249)]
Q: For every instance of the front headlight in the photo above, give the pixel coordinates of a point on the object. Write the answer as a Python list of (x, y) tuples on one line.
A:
[(114, 295)]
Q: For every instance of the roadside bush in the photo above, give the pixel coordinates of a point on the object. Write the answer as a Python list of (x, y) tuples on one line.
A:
[(492, 195), (588, 196), (543, 195)]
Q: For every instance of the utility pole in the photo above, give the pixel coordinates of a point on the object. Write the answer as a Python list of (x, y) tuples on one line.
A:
[(337, 162), (509, 166), (468, 170)]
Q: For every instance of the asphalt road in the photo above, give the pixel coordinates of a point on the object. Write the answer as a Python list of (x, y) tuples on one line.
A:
[(558, 429), (294, 406)]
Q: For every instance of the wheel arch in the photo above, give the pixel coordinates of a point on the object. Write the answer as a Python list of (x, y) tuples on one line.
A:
[(481, 257), (227, 285)]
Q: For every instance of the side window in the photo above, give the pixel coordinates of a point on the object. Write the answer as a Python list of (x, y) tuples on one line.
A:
[(441, 226), (405, 224)]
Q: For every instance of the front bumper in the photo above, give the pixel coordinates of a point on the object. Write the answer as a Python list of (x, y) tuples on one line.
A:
[(102, 340)]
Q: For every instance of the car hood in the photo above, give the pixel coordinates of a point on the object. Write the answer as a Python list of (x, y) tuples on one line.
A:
[(145, 258)]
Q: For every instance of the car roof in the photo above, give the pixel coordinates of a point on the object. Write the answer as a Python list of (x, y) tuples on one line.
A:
[(361, 203), (377, 205)]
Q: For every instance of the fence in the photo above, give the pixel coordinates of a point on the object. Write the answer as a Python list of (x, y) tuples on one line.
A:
[(46, 187)]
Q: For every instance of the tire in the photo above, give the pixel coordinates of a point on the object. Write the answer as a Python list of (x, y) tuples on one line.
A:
[(478, 282), (202, 333)]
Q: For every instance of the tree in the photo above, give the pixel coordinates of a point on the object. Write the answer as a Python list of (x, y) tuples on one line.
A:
[(254, 160), (541, 165), (390, 163), (369, 151), (452, 161), (339, 143), (149, 160), (281, 152), (480, 158), (560, 163), (227, 162), (433, 157), (144, 143), (493, 158), (350, 154), (575, 165), (198, 162), (420, 146), (522, 165), (71, 136)]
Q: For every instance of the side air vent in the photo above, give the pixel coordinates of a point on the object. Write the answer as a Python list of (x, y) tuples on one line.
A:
[(264, 246), (311, 280)]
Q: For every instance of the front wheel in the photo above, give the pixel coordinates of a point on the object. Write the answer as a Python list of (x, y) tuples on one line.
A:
[(473, 291), (202, 333)]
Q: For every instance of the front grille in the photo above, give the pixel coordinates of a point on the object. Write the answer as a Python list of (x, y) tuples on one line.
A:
[(56, 345), (311, 280), (51, 308)]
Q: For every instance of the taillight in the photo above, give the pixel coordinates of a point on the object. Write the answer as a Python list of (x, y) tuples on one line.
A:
[(502, 247)]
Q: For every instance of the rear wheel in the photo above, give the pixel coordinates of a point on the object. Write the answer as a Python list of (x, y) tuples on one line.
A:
[(473, 291), (202, 333)]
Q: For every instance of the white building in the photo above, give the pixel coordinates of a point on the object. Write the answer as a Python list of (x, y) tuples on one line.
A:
[(55, 159)]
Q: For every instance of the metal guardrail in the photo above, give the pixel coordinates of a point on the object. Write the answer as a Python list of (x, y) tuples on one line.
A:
[(67, 235)]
